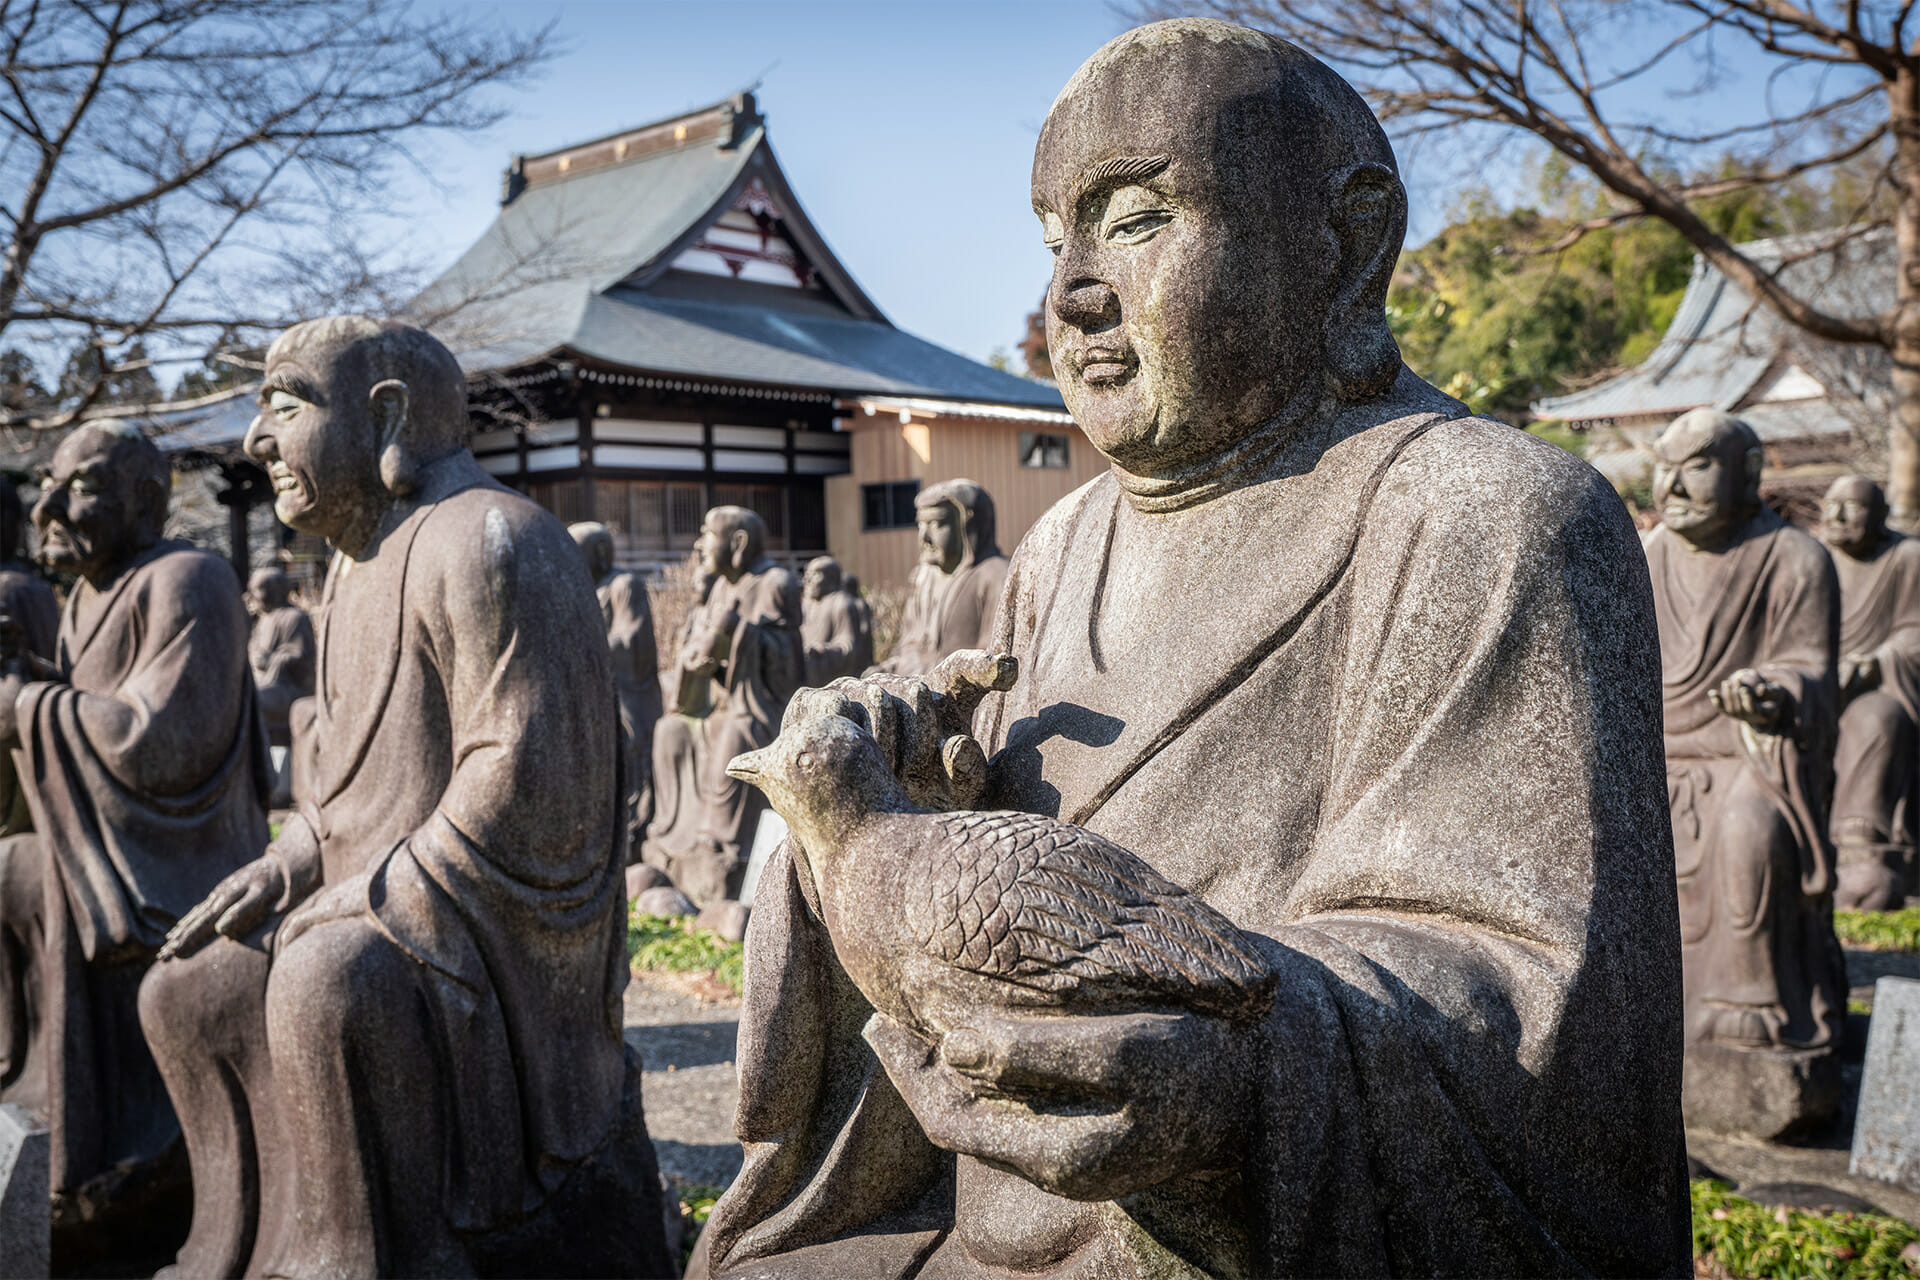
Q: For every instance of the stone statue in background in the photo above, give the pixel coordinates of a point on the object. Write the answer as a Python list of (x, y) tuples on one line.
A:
[(147, 777), (636, 669), (836, 628), (280, 651), (394, 1039), (740, 659), (26, 601), (1374, 680), (1749, 614), (955, 596), (1877, 760)]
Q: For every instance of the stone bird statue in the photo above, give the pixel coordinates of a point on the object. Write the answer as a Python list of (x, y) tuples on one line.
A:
[(934, 915)]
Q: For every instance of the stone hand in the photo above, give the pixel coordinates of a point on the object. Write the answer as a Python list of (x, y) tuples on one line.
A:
[(1749, 696), (238, 905), (1091, 1108), (1859, 673)]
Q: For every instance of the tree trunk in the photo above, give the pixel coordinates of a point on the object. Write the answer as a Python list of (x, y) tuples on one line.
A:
[(1903, 433)]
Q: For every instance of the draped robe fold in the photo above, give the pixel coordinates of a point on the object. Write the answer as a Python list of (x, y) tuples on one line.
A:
[(1749, 808), (1878, 756), (147, 776), (836, 643), (636, 682), (948, 612), (465, 807), (281, 652), (1400, 723)]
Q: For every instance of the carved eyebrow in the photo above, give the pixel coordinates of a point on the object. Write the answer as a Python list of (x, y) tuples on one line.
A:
[(291, 381), (1119, 171)]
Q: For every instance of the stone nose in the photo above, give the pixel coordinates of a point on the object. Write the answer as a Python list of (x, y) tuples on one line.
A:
[(1087, 304)]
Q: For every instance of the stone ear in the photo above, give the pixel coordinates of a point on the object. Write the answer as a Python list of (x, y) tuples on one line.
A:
[(1367, 208), (387, 403)]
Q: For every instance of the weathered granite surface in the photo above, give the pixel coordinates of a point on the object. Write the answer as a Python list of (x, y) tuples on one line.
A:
[(1886, 1129), (26, 1228), (1877, 759), (1748, 610), (394, 1038), (146, 773), (1374, 680), (954, 599), (740, 659)]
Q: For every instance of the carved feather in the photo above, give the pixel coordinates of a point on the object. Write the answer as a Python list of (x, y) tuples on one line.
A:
[(1061, 911)]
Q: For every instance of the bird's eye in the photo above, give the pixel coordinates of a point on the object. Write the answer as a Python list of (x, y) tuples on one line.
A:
[(804, 760)]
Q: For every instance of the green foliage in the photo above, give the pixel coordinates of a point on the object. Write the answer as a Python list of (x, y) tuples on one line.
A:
[(1749, 1240), (671, 944), (1879, 930), (1555, 432), (696, 1205)]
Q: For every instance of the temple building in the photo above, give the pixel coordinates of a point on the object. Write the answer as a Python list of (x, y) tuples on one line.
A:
[(653, 326), (1812, 402)]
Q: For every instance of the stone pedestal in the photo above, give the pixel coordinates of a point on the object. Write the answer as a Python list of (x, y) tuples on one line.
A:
[(1886, 1132), (1772, 1094), (26, 1205)]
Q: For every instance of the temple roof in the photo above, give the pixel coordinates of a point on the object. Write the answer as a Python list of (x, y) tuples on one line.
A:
[(1723, 350), (678, 248)]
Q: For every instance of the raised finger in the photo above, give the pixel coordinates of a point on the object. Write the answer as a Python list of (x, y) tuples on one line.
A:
[(1080, 1056)]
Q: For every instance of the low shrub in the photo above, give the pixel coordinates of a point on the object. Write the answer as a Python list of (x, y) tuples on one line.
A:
[(1745, 1239), (1879, 930), (671, 944)]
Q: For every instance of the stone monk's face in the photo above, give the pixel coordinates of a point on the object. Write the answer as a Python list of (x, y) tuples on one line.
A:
[(315, 435), (942, 540), (1848, 516), (1700, 492), (87, 513), (1187, 302)]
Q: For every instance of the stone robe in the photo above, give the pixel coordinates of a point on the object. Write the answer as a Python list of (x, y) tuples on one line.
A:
[(147, 774), (704, 821), (636, 682), (281, 653), (948, 612), (1749, 809), (836, 641), (469, 922), (1877, 760), (1416, 757), (26, 598)]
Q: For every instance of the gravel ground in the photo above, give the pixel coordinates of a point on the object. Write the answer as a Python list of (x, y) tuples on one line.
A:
[(690, 1086)]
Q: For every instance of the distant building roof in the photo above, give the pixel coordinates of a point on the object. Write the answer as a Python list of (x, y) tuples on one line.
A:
[(1726, 351), (678, 249)]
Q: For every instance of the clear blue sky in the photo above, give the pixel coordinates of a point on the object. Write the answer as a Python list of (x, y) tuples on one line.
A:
[(906, 128)]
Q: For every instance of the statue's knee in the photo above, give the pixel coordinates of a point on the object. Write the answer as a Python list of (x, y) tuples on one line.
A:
[(182, 1001), (332, 977)]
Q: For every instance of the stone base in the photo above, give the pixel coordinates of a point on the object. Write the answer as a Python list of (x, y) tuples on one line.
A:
[(25, 1206), (1772, 1094)]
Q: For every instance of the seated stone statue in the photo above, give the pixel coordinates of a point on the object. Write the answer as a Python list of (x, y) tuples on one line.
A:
[(1373, 679), (147, 774), (29, 620), (1747, 607), (835, 629), (636, 668), (1878, 755), (280, 651), (394, 1038), (740, 659), (955, 595)]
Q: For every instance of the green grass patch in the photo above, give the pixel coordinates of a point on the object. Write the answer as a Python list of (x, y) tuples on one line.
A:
[(1860, 1006), (1750, 1240), (670, 944), (696, 1204), (1879, 930)]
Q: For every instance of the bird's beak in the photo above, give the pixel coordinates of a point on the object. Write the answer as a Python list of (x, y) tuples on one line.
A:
[(746, 766)]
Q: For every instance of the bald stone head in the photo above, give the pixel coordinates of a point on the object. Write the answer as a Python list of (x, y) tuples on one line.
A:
[(1225, 216), (732, 540), (822, 577), (595, 541), (351, 410), (103, 500), (956, 524), (1706, 476), (268, 589), (1853, 517)]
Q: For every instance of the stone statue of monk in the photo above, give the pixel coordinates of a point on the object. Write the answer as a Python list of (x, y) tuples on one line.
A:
[(834, 629), (1748, 611), (147, 776), (955, 596), (1375, 678), (740, 659), (636, 668), (1878, 754), (394, 1038), (26, 601), (280, 650)]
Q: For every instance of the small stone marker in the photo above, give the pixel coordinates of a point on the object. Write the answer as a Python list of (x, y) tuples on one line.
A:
[(1886, 1134), (26, 1204)]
